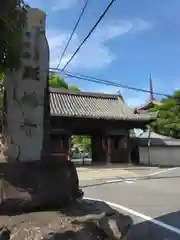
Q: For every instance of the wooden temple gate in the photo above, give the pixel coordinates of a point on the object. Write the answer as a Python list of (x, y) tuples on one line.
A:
[(113, 146), (104, 149), (106, 118)]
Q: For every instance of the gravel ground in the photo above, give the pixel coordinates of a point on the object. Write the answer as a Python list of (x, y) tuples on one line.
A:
[(49, 225)]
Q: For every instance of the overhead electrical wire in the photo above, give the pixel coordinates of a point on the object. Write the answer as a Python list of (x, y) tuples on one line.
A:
[(72, 34), (106, 82), (115, 84), (89, 34)]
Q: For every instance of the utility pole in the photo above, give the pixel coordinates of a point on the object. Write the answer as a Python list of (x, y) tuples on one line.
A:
[(151, 89), (149, 145)]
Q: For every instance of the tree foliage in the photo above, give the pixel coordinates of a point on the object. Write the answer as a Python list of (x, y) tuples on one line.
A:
[(12, 22), (81, 143), (56, 81), (74, 88), (1, 76), (168, 122)]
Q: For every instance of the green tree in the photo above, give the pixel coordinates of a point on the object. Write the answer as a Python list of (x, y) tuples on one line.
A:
[(12, 22), (55, 81), (168, 121), (74, 88), (1, 76), (82, 143)]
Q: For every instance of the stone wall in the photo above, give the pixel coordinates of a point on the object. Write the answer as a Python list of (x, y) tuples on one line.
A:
[(25, 91)]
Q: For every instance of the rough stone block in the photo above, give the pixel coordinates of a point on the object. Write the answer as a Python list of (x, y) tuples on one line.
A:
[(37, 185)]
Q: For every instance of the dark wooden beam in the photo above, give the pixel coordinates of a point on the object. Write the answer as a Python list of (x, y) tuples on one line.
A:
[(85, 126)]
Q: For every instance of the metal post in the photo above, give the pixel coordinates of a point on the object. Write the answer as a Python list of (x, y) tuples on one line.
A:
[(108, 150), (149, 146), (83, 159), (129, 149), (69, 148)]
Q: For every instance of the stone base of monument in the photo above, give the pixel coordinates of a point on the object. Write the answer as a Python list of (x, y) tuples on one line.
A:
[(88, 220), (26, 187)]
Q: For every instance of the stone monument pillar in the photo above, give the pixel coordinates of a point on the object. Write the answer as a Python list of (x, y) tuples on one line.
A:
[(25, 91), (27, 180)]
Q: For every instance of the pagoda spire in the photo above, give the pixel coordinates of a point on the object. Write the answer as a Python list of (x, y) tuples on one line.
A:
[(151, 89)]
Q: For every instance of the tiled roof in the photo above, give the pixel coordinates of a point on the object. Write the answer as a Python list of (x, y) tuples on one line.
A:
[(91, 105), (148, 104), (151, 134), (157, 140)]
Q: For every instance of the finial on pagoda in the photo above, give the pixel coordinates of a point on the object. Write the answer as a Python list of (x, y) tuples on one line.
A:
[(151, 88)]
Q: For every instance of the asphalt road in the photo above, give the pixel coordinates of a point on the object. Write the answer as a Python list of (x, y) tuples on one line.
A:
[(157, 198)]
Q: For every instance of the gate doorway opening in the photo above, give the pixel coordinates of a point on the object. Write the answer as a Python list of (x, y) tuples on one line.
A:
[(81, 149)]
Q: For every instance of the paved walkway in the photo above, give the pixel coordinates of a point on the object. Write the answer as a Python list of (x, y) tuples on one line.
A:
[(104, 172)]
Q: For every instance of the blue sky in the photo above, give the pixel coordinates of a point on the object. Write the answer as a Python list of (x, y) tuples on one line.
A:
[(136, 38)]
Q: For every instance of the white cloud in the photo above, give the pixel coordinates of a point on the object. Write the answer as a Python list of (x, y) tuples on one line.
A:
[(95, 53), (63, 4), (140, 25)]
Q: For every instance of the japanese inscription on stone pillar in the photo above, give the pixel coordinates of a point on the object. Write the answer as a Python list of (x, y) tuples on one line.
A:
[(25, 113)]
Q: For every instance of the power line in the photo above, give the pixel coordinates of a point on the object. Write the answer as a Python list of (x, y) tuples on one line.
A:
[(74, 29), (107, 82), (89, 34), (110, 83)]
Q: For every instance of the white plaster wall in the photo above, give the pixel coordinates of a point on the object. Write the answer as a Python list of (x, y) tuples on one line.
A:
[(164, 156), (25, 147)]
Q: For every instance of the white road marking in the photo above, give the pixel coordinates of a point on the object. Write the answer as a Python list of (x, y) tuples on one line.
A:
[(162, 171), (147, 218), (125, 180), (114, 181), (129, 181), (132, 180)]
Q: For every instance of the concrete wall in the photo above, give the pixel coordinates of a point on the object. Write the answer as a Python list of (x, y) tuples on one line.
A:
[(25, 91), (160, 155)]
